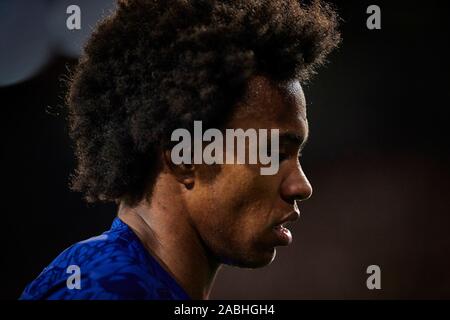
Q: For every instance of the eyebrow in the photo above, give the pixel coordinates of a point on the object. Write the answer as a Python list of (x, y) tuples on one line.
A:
[(294, 139)]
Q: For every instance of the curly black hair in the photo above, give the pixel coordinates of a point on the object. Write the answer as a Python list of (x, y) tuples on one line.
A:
[(156, 65)]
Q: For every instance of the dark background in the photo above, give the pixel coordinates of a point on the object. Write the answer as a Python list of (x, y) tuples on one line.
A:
[(378, 159)]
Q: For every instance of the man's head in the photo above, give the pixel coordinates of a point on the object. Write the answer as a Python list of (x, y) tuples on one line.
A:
[(157, 66), (237, 211)]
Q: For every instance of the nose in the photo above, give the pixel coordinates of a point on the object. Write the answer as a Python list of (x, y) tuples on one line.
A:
[(296, 187)]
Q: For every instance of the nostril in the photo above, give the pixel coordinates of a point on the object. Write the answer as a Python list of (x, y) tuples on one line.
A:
[(298, 192)]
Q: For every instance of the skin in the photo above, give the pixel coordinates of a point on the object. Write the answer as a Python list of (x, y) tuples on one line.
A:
[(202, 216)]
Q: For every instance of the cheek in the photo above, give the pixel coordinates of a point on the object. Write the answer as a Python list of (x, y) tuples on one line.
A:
[(238, 203)]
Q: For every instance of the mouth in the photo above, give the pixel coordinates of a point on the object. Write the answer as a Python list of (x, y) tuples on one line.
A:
[(280, 230), (283, 234)]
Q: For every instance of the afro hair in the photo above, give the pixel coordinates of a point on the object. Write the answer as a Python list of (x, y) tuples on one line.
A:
[(157, 65)]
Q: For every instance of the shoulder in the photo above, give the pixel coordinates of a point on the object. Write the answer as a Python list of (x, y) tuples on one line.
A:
[(110, 266)]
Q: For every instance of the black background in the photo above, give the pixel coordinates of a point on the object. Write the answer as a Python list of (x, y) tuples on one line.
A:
[(378, 159)]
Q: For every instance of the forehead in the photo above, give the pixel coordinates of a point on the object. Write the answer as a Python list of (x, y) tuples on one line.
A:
[(272, 105), (293, 92)]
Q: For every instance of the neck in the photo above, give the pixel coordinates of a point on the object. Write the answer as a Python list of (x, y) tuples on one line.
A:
[(165, 231)]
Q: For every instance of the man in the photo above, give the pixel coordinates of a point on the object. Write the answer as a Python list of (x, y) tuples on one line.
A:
[(158, 66)]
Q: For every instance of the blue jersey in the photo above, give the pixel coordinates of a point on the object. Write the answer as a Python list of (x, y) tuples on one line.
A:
[(112, 266)]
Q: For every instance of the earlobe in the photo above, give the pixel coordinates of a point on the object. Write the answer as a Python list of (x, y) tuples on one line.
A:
[(183, 173)]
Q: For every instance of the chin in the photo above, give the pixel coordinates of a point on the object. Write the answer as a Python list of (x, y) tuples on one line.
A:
[(252, 261)]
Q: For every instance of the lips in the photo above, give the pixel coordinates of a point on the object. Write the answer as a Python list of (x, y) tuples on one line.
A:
[(282, 233)]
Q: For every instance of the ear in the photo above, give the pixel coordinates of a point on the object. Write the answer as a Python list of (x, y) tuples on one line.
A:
[(184, 173)]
